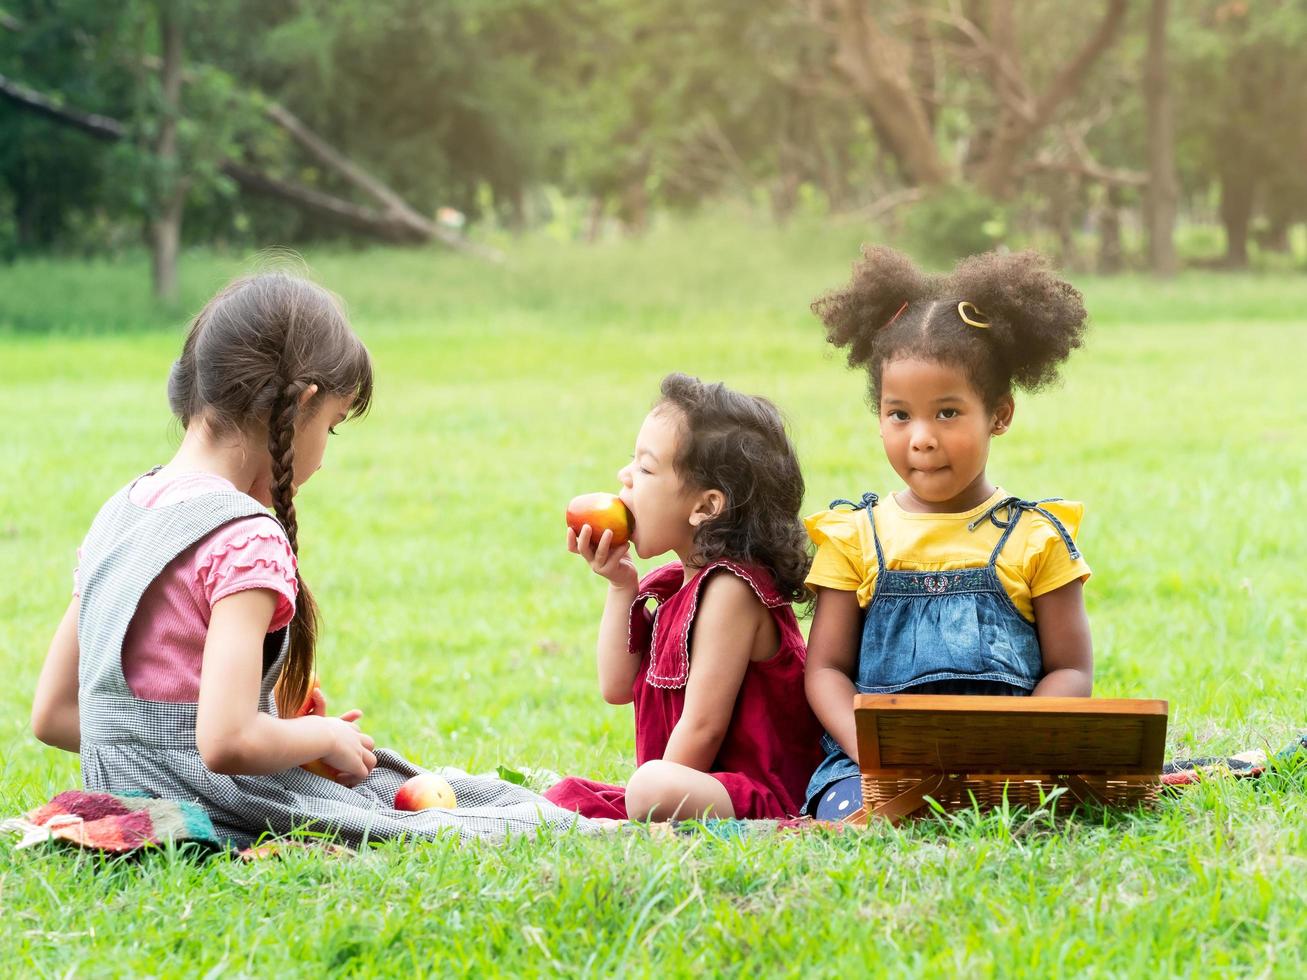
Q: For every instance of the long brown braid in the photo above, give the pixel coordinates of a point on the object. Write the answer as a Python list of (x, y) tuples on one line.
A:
[(293, 685), (248, 358)]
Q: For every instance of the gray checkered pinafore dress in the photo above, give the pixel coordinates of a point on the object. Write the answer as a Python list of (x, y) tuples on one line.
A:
[(131, 745)]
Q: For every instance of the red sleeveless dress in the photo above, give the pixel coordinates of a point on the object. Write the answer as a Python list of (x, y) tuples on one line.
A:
[(773, 742)]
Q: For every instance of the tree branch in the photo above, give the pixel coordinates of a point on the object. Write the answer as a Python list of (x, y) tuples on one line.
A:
[(110, 130), (877, 67), (101, 127), (1082, 163), (343, 212), (385, 226), (884, 205), (1008, 82), (1069, 80), (329, 156), (996, 170)]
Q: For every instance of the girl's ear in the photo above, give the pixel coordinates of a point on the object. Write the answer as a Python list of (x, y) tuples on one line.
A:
[(710, 504), (307, 394), (1003, 415)]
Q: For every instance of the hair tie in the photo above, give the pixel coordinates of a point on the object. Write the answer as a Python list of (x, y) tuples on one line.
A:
[(971, 316), (898, 313)]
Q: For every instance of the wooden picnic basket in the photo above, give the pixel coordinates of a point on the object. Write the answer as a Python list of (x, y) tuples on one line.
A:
[(967, 750)]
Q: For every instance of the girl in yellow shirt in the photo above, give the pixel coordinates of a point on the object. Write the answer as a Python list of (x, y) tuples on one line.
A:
[(951, 585)]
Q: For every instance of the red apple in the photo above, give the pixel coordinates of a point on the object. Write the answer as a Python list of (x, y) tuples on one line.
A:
[(320, 768), (603, 512), (315, 703), (424, 791)]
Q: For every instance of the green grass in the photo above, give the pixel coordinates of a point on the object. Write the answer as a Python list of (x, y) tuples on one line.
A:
[(434, 540)]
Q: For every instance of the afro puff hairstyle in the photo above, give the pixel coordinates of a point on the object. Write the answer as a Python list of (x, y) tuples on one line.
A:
[(890, 309)]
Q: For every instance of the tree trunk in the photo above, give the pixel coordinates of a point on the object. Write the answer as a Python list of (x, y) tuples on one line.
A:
[(1276, 238), (878, 69), (633, 204), (165, 246), (1061, 204), (1109, 233), (170, 196), (517, 220), (594, 222), (784, 196), (1016, 128), (1163, 192), (1278, 206), (1237, 188), (922, 66)]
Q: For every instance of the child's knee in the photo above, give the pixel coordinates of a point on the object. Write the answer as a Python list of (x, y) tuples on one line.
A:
[(651, 790)]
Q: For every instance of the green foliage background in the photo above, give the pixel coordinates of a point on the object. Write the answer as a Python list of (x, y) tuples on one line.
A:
[(517, 111)]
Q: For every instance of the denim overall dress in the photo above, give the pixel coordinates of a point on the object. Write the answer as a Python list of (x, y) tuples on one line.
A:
[(944, 632)]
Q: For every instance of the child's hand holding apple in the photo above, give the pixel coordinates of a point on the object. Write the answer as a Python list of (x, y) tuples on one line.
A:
[(350, 758), (599, 530), (351, 753)]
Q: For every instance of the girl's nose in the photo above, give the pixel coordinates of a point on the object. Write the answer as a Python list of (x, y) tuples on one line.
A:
[(923, 438), (624, 475)]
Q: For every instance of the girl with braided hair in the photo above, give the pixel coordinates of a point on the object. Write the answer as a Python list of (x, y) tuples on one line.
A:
[(951, 585), (183, 667)]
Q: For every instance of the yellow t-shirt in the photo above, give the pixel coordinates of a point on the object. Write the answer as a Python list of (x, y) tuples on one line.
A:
[(1034, 561)]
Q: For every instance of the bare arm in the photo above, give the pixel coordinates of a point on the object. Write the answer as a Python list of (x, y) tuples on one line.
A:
[(832, 660), (617, 667), (1063, 627), (232, 735), (55, 717), (725, 629)]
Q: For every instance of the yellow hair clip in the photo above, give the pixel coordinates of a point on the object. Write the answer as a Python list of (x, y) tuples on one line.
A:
[(971, 316)]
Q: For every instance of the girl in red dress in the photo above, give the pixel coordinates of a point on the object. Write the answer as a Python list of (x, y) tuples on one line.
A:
[(715, 672)]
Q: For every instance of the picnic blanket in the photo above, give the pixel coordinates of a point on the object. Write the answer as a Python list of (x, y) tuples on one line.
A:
[(114, 824), (1244, 765), (109, 823)]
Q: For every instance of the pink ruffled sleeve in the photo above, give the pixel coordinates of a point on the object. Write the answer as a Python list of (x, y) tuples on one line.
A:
[(252, 553)]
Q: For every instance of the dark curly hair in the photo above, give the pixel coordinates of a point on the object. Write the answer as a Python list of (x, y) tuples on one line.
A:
[(891, 309), (737, 444)]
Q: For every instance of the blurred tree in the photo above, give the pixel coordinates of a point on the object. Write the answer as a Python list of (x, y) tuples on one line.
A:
[(115, 74), (168, 195), (496, 106), (1244, 125), (1008, 105), (672, 101), (54, 185), (1163, 191)]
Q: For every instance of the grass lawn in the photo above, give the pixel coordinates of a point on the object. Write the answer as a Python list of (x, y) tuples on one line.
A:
[(454, 617)]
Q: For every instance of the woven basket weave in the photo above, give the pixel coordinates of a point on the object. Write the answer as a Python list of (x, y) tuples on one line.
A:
[(963, 791), (964, 751)]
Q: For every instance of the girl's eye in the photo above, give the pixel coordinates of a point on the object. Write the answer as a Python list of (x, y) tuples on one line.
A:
[(646, 472), (948, 413), (898, 415), (331, 430)]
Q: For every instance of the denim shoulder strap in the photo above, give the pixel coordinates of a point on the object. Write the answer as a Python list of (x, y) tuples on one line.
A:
[(867, 503), (1007, 512)]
